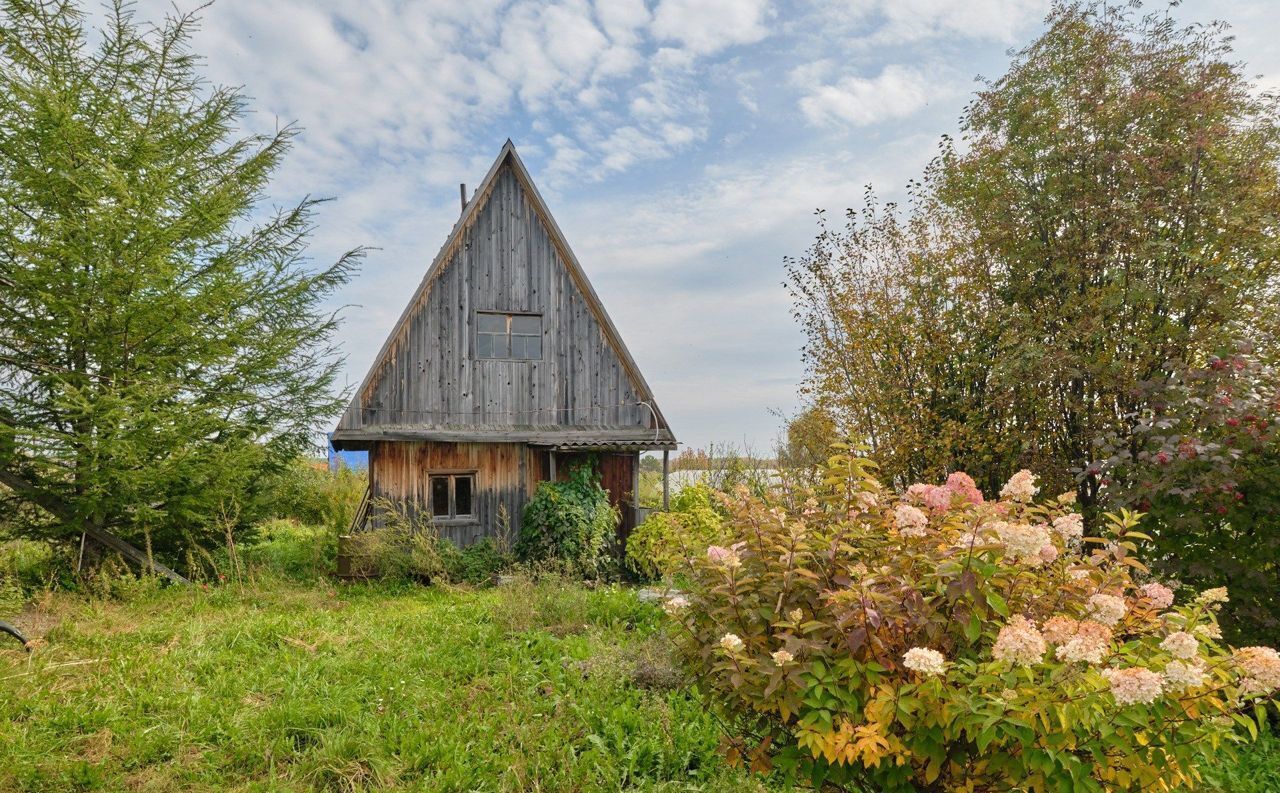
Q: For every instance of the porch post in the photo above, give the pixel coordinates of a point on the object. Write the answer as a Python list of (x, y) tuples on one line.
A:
[(553, 465), (666, 488)]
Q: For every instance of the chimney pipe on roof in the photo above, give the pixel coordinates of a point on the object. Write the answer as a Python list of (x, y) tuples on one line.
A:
[(462, 190)]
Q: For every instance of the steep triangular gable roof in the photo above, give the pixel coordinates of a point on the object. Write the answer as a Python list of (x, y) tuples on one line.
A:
[(508, 156)]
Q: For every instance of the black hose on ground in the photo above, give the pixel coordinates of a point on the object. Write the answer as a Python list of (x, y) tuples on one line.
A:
[(15, 633)]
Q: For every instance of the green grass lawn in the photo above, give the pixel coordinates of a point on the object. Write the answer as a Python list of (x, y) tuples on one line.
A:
[(287, 687), (283, 686)]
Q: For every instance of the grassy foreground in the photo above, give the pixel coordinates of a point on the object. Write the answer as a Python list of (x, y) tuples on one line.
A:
[(279, 686), (288, 687)]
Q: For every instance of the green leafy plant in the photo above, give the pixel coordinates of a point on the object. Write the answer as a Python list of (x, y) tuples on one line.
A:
[(292, 549), (475, 564), (1111, 207), (939, 641), (308, 492), (402, 544), (571, 521), (660, 544)]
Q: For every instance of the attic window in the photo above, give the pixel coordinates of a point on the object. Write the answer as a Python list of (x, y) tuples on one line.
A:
[(510, 336)]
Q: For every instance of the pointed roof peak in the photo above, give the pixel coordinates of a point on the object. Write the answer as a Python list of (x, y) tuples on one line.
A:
[(508, 157)]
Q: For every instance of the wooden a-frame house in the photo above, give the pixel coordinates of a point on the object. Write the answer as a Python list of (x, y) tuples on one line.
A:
[(503, 370)]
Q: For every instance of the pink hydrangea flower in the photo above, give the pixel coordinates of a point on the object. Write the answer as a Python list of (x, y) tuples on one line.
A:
[(1259, 668), (1158, 595), (1019, 643), (963, 485), (1134, 685)]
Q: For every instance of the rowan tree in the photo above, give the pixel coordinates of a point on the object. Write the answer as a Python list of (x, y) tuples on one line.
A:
[(1111, 209)]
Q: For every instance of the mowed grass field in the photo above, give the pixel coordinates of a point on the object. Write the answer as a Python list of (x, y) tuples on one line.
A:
[(283, 686)]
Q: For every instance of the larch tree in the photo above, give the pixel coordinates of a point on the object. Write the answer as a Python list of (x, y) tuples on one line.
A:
[(164, 340)]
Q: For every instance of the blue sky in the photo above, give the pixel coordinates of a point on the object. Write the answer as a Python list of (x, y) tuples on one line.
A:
[(683, 146)]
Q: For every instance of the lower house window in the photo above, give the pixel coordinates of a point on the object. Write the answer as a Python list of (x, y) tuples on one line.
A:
[(451, 495)]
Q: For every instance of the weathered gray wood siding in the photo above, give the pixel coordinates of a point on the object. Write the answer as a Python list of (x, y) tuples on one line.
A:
[(506, 476), (505, 260)]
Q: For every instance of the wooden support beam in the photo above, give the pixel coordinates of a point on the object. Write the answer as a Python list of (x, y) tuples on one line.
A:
[(55, 507), (666, 486), (553, 465), (133, 554)]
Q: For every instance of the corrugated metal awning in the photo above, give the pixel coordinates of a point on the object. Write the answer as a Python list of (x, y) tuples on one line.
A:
[(607, 446)]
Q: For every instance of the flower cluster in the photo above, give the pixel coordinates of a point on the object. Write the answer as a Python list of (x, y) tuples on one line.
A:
[(1181, 644), (1107, 609), (723, 556), (1060, 629), (1024, 542), (1021, 487), (675, 605), (1182, 675), (1019, 643), (1090, 643), (732, 643), (958, 489), (925, 661), (910, 521), (1159, 596), (963, 486), (1134, 685), (1213, 596), (1070, 527), (1260, 667)]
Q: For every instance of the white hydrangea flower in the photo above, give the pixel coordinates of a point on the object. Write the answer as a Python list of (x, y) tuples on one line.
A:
[(1180, 675), (1020, 487), (1089, 642), (1159, 595), (925, 661), (1019, 643), (1209, 630), (1107, 609), (1134, 685), (1210, 597), (1180, 644), (675, 605), (782, 657), (1023, 541), (910, 521), (731, 643), (1069, 527)]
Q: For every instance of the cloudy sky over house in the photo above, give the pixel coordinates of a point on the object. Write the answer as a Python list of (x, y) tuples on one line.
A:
[(683, 146)]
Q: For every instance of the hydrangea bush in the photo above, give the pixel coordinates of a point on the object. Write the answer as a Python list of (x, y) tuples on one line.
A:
[(941, 641)]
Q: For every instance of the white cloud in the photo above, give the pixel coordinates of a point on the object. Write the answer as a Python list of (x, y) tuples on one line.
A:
[(691, 275), (896, 92), (663, 132), (898, 21), (708, 26)]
